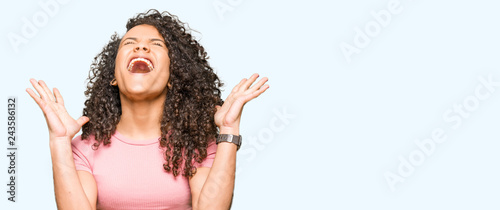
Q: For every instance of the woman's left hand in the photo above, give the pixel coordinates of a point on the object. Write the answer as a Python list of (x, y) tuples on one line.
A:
[(227, 117)]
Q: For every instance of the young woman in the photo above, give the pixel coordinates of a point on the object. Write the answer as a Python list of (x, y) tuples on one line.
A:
[(156, 134)]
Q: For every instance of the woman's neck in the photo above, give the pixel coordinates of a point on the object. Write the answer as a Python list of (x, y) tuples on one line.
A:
[(141, 119)]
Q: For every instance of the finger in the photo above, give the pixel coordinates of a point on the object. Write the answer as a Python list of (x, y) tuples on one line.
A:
[(256, 93), (39, 89), (59, 98), (47, 90), (261, 90), (82, 120), (225, 106), (259, 84), (249, 82), (52, 120), (35, 97), (237, 87)]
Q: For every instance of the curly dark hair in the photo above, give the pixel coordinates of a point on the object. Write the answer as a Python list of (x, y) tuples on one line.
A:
[(187, 123)]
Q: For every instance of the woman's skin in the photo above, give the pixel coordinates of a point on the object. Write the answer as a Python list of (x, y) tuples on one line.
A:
[(142, 96)]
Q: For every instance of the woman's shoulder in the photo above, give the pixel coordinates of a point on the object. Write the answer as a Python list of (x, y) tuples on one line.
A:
[(82, 144)]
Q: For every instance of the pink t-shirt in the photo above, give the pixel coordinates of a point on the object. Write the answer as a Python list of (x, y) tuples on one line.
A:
[(130, 175)]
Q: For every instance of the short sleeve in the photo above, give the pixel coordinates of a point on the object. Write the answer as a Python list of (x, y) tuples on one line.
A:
[(82, 154), (207, 162)]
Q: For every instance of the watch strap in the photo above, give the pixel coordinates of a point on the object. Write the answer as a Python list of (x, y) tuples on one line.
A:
[(235, 139)]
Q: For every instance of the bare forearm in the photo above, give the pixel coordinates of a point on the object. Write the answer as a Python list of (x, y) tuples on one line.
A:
[(68, 189), (218, 189)]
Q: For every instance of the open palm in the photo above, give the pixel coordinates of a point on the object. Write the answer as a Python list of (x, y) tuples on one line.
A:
[(228, 115), (61, 125)]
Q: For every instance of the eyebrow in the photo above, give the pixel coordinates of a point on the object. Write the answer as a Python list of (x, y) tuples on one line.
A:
[(150, 40)]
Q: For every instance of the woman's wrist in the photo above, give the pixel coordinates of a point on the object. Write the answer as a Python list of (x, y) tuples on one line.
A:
[(60, 142), (228, 130)]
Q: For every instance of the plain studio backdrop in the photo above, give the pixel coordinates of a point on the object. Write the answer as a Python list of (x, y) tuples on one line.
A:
[(373, 104)]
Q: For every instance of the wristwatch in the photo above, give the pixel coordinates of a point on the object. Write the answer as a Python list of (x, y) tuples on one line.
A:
[(236, 139)]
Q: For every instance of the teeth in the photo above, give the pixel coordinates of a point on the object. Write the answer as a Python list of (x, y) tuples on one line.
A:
[(131, 65)]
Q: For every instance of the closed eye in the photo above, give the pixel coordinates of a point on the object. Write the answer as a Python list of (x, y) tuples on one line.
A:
[(157, 43)]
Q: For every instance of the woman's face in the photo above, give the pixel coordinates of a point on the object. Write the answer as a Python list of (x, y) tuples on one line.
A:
[(142, 64)]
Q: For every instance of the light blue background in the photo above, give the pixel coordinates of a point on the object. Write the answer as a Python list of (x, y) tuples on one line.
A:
[(348, 123)]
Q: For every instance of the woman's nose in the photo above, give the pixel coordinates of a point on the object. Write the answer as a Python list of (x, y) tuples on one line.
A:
[(141, 47)]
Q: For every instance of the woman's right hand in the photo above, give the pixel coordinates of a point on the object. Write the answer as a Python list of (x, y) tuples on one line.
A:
[(61, 125)]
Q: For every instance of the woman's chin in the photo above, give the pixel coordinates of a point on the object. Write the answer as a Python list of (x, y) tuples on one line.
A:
[(140, 92)]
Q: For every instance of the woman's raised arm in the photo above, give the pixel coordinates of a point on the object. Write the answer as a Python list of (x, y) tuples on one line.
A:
[(212, 188), (73, 190)]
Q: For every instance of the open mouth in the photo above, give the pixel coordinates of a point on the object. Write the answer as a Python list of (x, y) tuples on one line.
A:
[(140, 65)]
